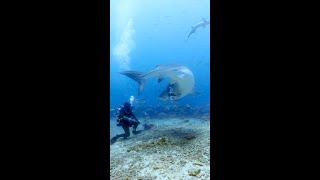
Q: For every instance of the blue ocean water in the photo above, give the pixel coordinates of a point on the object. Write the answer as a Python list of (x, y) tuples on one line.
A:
[(146, 33)]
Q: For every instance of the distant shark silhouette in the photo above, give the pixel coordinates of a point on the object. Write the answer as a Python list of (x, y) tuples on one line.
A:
[(203, 24)]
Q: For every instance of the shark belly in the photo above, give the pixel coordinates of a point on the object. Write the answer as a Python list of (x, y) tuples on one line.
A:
[(185, 81)]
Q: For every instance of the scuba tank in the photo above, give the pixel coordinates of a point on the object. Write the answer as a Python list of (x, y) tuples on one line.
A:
[(131, 100)]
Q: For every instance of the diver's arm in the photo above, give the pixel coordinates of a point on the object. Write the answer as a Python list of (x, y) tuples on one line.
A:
[(119, 118), (134, 117)]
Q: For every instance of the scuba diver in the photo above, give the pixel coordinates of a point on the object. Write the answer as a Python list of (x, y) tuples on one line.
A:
[(127, 119)]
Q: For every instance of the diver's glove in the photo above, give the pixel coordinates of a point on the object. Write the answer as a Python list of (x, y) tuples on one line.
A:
[(135, 120)]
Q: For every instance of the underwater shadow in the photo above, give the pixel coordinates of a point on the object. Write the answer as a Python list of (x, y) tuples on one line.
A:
[(177, 134), (115, 138)]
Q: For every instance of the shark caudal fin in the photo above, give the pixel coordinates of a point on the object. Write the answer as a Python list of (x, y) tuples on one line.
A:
[(136, 76)]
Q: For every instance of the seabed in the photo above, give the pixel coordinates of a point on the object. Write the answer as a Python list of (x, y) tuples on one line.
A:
[(175, 148)]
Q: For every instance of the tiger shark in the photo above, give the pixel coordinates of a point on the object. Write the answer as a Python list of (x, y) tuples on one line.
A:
[(181, 80), (203, 24)]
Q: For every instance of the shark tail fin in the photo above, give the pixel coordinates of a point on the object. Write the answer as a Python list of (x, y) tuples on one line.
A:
[(136, 76)]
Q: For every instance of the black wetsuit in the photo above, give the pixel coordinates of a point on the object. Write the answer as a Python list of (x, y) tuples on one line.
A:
[(127, 119)]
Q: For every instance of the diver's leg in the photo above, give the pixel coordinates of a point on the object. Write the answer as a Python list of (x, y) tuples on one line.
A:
[(115, 138), (126, 131), (135, 125)]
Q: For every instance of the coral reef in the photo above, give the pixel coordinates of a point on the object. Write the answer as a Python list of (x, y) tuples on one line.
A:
[(173, 149)]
